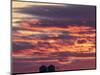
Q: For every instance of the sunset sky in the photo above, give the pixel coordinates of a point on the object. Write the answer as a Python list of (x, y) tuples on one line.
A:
[(60, 34)]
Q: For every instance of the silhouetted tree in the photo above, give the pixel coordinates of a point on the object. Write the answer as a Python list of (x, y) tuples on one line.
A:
[(51, 68), (13, 74), (43, 69)]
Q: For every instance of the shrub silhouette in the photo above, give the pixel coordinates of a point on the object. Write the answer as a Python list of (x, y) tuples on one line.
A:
[(43, 69), (51, 68)]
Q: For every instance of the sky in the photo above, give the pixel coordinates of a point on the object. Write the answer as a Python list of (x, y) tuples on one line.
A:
[(46, 33)]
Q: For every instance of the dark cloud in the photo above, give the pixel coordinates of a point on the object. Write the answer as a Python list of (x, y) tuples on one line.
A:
[(81, 41), (46, 36), (60, 12), (68, 14), (21, 45), (68, 54)]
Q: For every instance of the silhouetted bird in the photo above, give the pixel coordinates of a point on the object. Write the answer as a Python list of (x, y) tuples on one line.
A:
[(51, 68), (43, 69)]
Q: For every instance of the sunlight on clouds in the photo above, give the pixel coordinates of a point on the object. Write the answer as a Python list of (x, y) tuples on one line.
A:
[(37, 39)]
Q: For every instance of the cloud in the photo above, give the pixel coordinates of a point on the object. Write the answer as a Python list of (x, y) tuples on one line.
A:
[(60, 16), (21, 45), (72, 54), (52, 34), (61, 12)]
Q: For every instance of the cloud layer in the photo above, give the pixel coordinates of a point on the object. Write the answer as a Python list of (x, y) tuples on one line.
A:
[(51, 33)]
